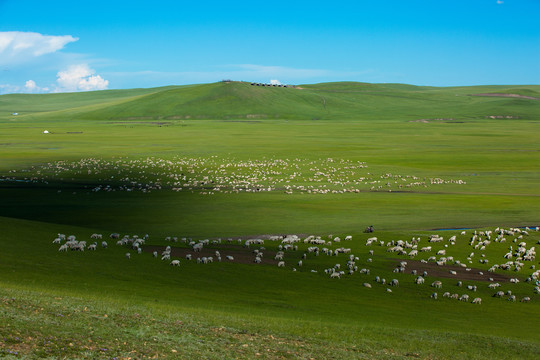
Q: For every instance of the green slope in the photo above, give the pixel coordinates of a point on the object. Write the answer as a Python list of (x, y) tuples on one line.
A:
[(239, 100)]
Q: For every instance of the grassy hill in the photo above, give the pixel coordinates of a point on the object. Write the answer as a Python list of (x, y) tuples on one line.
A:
[(231, 160), (238, 100)]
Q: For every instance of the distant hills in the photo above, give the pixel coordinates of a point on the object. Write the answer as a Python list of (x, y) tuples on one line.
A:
[(244, 101)]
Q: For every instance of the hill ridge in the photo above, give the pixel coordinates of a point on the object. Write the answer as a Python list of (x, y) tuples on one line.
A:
[(241, 100)]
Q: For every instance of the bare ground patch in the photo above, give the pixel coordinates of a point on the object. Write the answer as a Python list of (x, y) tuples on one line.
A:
[(508, 96), (461, 274)]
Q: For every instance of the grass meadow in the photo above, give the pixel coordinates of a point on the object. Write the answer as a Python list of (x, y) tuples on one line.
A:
[(232, 160)]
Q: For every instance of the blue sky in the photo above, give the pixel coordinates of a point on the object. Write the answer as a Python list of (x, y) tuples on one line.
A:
[(48, 46)]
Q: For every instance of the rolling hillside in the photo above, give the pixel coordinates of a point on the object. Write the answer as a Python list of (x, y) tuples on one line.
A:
[(239, 100)]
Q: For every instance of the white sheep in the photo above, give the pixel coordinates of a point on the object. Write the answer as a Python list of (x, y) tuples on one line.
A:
[(281, 264), (175, 263), (128, 256), (437, 284), (477, 301)]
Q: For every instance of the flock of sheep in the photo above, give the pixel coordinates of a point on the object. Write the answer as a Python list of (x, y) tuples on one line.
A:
[(520, 256), (212, 175)]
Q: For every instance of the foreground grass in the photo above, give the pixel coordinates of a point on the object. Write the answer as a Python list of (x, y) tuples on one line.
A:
[(101, 305), (40, 325)]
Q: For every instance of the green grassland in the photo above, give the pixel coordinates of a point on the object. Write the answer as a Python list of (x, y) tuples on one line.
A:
[(431, 158)]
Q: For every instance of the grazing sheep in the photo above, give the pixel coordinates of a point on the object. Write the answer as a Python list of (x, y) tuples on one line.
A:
[(477, 301), (188, 256), (419, 280), (281, 264), (335, 275), (175, 263), (526, 299), (464, 298), (437, 284), (57, 241), (128, 256), (434, 296), (512, 298), (63, 247), (394, 282), (368, 285)]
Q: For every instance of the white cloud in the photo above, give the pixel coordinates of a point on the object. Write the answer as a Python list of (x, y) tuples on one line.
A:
[(275, 82), (31, 86), (500, 2), (9, 89), (18, 46), (79, 78)]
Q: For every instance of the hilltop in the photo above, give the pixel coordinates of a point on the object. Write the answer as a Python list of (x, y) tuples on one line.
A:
[(244, 101)]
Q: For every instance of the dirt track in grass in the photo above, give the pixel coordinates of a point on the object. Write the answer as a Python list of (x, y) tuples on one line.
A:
[(462, 274)]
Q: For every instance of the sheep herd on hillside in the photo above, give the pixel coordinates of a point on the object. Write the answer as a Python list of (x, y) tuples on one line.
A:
[(519, 258), (212, 175)]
